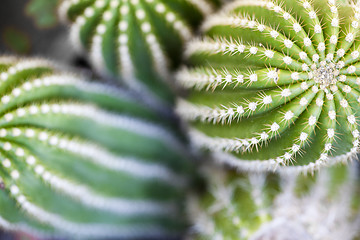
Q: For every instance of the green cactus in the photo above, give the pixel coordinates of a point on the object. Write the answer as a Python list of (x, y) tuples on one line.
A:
[(138, 40), (275, 84), (81, 159), (43, 12), (282, 207)]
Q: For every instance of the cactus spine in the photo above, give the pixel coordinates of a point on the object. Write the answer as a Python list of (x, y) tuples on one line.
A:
[(84, 160), (135, 39), (282, 207), (275, 84)]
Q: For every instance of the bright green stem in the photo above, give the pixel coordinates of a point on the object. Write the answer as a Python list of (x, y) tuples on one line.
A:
[(275, 83), (138, 41), (81, 159)]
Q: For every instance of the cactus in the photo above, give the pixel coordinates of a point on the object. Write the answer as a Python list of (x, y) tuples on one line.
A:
[(269, 206), (139, 40), (43, 12), (274, 84), (81, 159)]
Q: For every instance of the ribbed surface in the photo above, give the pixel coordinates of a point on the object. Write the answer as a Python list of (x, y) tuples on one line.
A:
[(275, 84), (82, 159), (139, 40)]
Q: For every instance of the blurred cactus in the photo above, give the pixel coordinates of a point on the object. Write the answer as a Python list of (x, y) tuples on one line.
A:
[(138, 40), (43, 12), (275, 83), (286, 207), (81, 159), (16, 40)]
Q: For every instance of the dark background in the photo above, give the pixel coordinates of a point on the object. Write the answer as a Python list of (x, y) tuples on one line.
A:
[(31, 28)]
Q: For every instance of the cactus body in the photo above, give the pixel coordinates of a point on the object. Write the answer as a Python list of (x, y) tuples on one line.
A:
[(137, 40), (275, 83), (82, 159), (281, 207)]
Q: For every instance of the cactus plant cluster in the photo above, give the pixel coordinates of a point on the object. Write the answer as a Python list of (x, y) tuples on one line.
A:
[(273, 92), (139, 41), (275, 83), (282, 207), (79, 158)]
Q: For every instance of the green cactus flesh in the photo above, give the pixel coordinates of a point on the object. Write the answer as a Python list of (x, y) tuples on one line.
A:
[(84, 160), (275, 83), (282, 207), (135, 39)]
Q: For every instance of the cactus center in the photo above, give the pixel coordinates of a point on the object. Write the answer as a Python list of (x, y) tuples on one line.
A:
[(325, 75)]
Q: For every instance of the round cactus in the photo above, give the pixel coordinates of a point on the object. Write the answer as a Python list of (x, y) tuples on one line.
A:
[(138, 40), (276, 84), (281, 207), (81, 159)]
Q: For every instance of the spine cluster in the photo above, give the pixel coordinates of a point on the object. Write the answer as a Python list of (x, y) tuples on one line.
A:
[(276, 84), (83, 160)]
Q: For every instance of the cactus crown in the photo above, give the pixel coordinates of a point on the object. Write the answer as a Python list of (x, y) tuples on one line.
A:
[(282, 207), (81, 159), (275, 83), (135, 39)]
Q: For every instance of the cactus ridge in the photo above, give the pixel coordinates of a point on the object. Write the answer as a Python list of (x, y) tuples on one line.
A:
[(116, 32), (59, 177), (271, 78), (286, 206)]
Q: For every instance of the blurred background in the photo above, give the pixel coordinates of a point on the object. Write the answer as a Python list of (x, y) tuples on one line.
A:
[(31, 27)]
